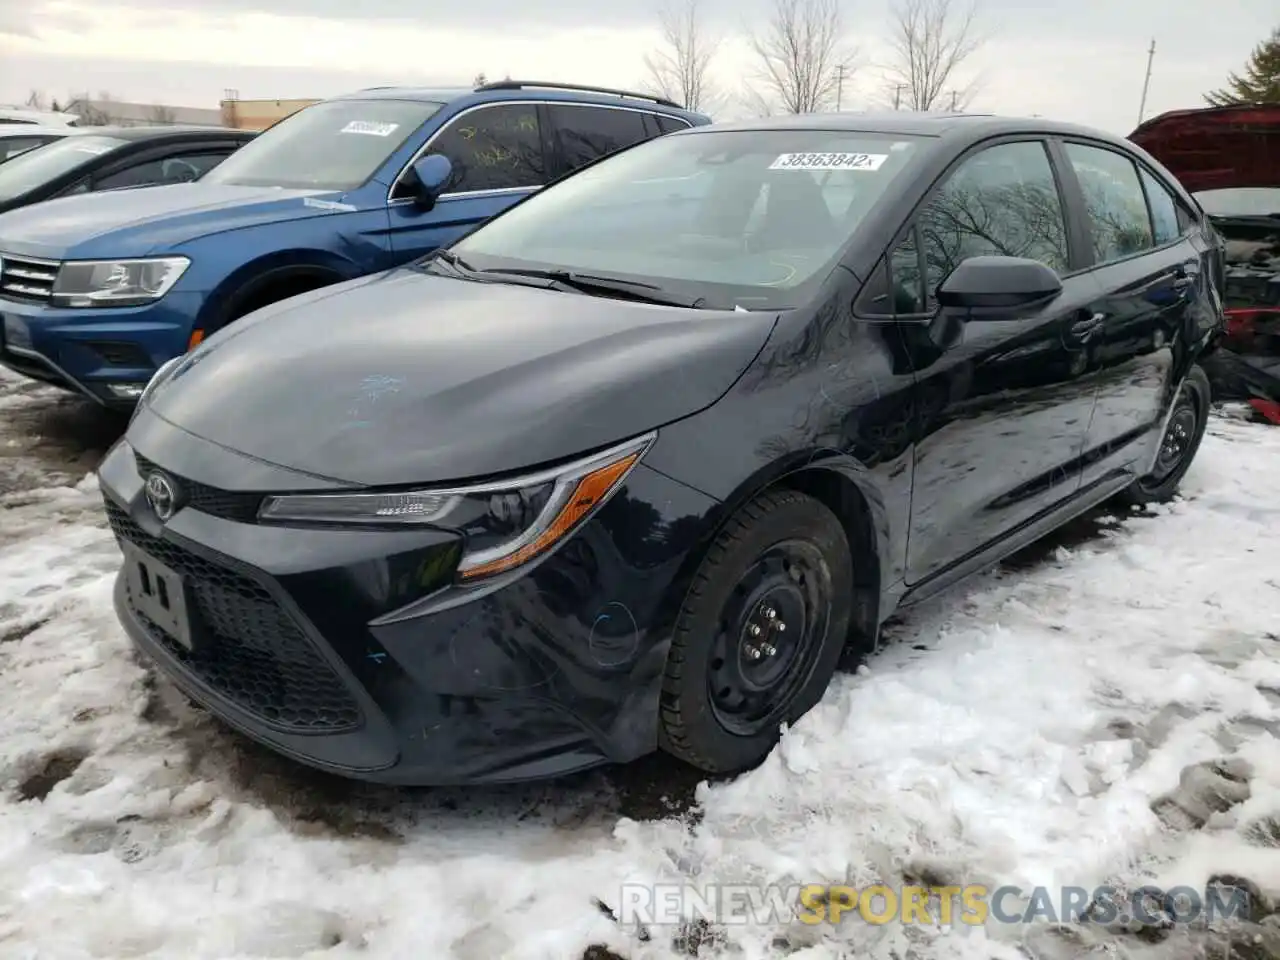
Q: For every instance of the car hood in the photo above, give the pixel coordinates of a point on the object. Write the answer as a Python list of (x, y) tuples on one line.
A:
[(408, 378), (1217, 148), (135, 222)]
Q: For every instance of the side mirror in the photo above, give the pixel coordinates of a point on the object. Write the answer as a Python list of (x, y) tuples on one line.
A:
[(999, 284), (433, 172)]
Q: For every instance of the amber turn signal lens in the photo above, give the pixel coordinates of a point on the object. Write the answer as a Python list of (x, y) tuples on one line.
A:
[(587, 495)]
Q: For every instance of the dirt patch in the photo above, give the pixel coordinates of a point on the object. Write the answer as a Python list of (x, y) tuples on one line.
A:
[(55, 768)]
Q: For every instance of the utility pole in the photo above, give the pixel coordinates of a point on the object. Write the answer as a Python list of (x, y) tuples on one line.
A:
[(955, 94), (839, 85), (897, 96), (1146, 83)]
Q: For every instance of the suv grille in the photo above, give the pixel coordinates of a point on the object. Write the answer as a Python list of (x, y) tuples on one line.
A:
[(22, 278), (227, 504), (258, 657)]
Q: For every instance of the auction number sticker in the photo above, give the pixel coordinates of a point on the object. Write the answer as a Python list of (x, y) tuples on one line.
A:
[(371, 128), (829, 161)]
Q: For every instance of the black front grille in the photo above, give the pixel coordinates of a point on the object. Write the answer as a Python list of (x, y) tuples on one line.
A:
[(256, 655), (25, 278), (227, 504)]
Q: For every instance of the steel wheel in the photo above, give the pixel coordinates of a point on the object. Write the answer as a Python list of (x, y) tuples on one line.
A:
[(770, 630), (759, 634)]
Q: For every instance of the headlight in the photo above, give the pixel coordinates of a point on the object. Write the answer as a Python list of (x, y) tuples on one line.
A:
[(116, 283), (505, 523)]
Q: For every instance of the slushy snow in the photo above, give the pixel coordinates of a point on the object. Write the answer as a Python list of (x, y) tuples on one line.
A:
[(1025, 728)]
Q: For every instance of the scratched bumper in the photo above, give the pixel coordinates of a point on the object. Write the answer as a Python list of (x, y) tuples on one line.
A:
[(334, 647)]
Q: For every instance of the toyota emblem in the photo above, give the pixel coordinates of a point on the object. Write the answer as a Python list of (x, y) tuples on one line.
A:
[(161, 495)]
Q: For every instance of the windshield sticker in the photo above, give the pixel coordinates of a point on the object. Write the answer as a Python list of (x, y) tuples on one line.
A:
[(829, 161), (327, 205), (96, 149), (370, 128)]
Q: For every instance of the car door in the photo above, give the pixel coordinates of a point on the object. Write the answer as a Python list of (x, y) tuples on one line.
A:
[(1151, 273), (1002, 406), (498, 158)]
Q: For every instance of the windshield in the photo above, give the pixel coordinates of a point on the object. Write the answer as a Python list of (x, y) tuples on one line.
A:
[(750, 219), (1240, 202), (36, 167), (335, 145)]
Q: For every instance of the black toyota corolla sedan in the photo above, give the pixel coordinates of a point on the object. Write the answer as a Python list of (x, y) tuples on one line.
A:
[(629, 466)]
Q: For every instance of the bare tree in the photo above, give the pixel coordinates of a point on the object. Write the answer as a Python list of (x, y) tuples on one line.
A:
[(802, 57), (678, 70), (479, 80), (36, 100), (161, 114), (932, 39)]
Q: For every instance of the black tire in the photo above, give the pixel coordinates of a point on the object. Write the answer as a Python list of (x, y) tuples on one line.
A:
[(1178, 444), (783, 552)]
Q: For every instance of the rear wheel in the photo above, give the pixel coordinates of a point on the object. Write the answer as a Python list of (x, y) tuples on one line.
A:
[(760, 633), (1178, 444)]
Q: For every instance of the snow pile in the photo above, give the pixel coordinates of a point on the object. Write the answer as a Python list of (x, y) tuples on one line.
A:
[(1030, 728)]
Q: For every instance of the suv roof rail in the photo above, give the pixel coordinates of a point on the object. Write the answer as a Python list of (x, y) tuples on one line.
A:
[(549, 85)]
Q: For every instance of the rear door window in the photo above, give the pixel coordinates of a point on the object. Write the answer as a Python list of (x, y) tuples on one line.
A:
[(584, 133), (1165, 223), (1115, 205)]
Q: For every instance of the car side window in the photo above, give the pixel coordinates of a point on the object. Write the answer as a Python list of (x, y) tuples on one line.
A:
[(1166, 225), (143, 174), (584, 134), (186, 167), (10, 147), (1001, 201), (1115, 205), (669, 124), (496, 147)]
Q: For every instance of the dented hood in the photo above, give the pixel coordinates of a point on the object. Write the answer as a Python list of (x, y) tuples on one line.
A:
[(1217, 148)]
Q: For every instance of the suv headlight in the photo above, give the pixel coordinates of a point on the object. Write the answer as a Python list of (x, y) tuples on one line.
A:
[(116, 283), (505, 524)]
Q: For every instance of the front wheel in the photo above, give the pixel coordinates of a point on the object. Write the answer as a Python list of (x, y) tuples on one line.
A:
[(760, 633), (1178, 444)]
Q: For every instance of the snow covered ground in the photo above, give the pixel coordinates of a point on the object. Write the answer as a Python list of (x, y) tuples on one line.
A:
[(1062, 721)]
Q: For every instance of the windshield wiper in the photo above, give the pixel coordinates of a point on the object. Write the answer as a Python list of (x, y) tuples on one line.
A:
[(451, 258), (587, 283)]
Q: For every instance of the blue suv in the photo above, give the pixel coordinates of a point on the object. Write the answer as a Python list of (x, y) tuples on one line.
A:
[(98, 291)]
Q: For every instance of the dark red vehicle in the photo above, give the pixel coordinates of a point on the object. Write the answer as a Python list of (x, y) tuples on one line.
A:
[(1228, 158)]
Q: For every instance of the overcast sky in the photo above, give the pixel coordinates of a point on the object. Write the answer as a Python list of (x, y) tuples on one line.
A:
[(1082, 61)]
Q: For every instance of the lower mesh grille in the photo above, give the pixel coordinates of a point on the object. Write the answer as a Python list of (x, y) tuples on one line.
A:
[(258, 657)]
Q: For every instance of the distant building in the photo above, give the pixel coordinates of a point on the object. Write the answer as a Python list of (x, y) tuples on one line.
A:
[(100, 113), (257, 114)]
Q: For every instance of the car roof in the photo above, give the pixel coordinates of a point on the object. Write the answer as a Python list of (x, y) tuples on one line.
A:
[(32, 130), (969, 127), (159, 131), (520, 90)]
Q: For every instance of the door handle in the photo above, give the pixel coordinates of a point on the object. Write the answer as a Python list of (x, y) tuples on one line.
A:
[(1183, 282), (1084, 329)]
